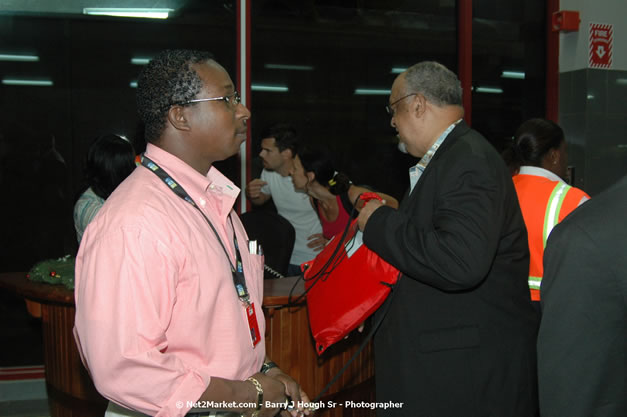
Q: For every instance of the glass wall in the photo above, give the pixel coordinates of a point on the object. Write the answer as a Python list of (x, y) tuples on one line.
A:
[(508, 70), (334, 63), (326, 66), (66, 79)]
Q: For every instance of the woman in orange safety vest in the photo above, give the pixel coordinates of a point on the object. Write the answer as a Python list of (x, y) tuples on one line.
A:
[(538, 159)]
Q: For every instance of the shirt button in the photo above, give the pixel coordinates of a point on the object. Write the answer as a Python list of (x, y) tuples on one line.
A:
[(211, 187), (203, 202)]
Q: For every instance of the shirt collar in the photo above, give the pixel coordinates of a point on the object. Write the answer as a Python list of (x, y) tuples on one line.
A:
[(540, 172), (198, 186), (416, 171), (426, 158)]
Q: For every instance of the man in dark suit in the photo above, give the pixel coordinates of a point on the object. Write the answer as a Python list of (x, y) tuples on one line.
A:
[(582, 344), (459, 336)]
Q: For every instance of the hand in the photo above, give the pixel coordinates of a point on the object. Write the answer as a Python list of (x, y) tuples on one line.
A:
[(366, 211), (361, 203), (253, 189), (317, 242), (274, 392), (293, 390)]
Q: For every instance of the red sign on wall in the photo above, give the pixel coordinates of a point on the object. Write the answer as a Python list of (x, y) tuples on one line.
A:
[(600, 45)]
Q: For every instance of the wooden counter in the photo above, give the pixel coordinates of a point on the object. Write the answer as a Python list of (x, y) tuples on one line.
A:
[(288, 342), (70, 390)]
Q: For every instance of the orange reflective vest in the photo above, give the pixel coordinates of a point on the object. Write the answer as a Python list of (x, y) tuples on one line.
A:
[(544, 203)]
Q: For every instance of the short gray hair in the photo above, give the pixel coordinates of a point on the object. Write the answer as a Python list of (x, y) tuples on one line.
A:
[(437, 83)]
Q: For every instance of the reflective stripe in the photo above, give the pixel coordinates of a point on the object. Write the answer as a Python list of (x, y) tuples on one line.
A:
[(551, 218), (534, 282)]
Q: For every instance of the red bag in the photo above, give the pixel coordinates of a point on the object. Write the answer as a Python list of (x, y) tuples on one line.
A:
[(344, 291)]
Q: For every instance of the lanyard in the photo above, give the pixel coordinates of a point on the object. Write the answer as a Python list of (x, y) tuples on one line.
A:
[(237, 271)]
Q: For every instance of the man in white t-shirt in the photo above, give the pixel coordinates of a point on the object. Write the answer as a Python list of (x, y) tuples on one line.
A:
[(278, 148)]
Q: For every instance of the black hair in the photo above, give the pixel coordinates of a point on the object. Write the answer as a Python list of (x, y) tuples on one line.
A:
[(319, 162), (285, 137), (532, 141), (110, 159), (168, 79)]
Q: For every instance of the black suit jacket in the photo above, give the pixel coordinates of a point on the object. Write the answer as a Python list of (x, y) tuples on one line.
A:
[(582, 344), (459, 337)]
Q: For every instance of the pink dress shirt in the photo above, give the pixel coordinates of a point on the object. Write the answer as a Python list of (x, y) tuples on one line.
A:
[(157, 314)]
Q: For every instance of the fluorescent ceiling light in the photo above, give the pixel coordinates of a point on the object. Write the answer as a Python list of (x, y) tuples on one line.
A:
[(372, 92), (140, 61), (24, 81), (516, 75), (621, 81), (271, 88), (397, 70), (289, 67), (133, 84), (492, 90), (128, 12), (19, 58)]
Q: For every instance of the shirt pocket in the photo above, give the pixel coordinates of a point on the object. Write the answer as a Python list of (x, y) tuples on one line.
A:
[(255, 270)]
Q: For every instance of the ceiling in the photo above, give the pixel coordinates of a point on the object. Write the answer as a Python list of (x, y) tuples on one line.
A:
[(76, 6)]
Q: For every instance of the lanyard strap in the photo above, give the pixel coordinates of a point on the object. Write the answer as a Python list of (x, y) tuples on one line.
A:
[(237, 271)]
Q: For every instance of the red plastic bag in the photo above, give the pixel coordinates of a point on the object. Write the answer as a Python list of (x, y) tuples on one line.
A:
[(344, 291)]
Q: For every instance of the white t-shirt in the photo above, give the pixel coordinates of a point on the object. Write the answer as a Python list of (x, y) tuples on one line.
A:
[(297, 209)]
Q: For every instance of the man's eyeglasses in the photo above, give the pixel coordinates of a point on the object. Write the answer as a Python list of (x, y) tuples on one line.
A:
[(233, 99), (390, 110)]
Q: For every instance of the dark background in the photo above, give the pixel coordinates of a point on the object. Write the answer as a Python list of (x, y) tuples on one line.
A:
[(45, 131)]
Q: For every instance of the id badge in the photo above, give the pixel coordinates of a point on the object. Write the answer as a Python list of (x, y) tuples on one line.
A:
[(252, 324)]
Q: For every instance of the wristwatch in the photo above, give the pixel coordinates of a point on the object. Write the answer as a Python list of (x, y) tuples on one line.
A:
[(267, 366)]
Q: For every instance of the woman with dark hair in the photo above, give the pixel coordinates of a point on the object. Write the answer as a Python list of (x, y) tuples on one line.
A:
[(332, 194), (538, 159), (110, 159)]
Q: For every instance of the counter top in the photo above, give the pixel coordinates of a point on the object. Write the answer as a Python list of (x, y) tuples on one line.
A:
[(276, 291), (17, 283)]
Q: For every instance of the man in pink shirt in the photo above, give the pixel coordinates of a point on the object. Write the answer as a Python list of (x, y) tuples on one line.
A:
[(168, 295)]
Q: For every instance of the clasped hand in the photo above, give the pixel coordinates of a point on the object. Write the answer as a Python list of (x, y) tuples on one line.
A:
[(279, 389), (253, 189), (366, 211)]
